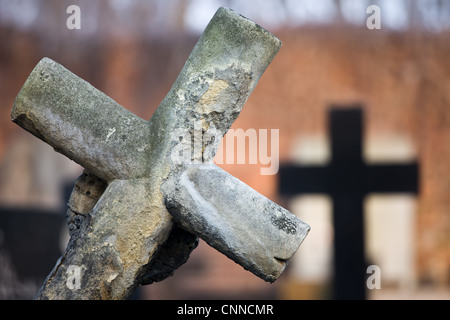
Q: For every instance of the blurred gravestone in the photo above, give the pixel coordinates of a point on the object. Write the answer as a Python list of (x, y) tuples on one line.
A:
[(348, 180), (31, 240), (30, 245)]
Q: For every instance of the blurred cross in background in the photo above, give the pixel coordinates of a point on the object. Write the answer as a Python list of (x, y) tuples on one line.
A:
[(347, 179)]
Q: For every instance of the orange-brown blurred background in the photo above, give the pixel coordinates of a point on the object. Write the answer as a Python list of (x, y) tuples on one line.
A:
[(133, 52)]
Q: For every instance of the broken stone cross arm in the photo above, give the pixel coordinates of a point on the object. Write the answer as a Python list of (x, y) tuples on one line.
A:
[(146, 190)]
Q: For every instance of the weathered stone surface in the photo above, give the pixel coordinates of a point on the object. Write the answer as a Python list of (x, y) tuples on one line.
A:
[(235, 219), (113, 245), (216, 81), (87, 190), (82, 123), (173, 253), (125, 238)]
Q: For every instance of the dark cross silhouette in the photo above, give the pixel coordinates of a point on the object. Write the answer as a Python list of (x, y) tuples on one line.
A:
[(347, 179)]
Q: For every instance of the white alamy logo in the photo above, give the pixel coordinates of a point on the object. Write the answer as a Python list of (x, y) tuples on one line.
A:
[(374, 20), (74, 20), (198, 145), (374, 280), (74, 274)]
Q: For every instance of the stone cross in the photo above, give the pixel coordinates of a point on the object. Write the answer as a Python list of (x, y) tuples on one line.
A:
[(147, 193)]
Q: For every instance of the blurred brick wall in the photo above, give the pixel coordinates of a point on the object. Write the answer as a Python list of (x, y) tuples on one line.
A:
[(401, 79)]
